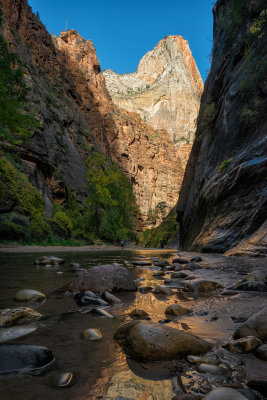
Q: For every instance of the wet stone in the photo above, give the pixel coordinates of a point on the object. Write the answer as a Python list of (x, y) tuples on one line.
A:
[(88, 298), (243, 345), (252, 286), (141, 263), (138, 313), (211, 369), (238, 320), (15, 332), (145, 289), (201, 286), (178, 275), (29, 294), (224, 393), (196, 259), (202, 360), (163, 290), (261, 352), (162, 264), (110, 298), (192, 266), (177, 310), (179, 261), (91, 334), (11, 316), (61, 379), (187, 396), (101, 312), (260, 385)]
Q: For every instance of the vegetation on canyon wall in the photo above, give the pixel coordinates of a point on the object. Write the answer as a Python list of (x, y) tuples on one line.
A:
[(162, 235)]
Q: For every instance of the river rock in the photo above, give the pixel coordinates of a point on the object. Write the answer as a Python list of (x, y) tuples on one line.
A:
[(29, 294), (170, 267), (196, 259), (252, 286), (10, 316), (211, 369), (61, 379), (14, 332), (201, 286), (175, 275), (103, 278), (224, 393), (143, 340), (243, 345), (179, 261), (202, 360), (254, 326), (110, 298), (178, 267), (49, 260), (261, 352), (145, 289), (138, 313), (177, 310), (92, 334), (154, 259), (192, 266), (101, 312), (251, 394), (159, 273), (257, 275), (162, 263), (88, 298), (24, 358), (161, 289), (260, 385), (141, 263)]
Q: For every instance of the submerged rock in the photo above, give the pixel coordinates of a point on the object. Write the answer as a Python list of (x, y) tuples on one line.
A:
[(138, 313), (110, 298), (24, 358), (162, 263), (254, 326), (243, 345), (101, 312), (144, 340), (103, 278), (211, 369), (49, 260), (145, 289), (92, 334), (192, 266), (202, 360), (10, 316), (15, 332), (29, 294), (177, 310), (196, 259), (175, 275), (179, 261), (201, 286), (61, 379), (161, 289), (224, 393), (88, 298), (142, 263), (261, 352)]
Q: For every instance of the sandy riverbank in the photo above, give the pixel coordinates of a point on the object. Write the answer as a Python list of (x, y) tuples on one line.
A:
[(49, 249)]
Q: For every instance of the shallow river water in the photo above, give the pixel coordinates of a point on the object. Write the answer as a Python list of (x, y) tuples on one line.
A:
[(101, 370)]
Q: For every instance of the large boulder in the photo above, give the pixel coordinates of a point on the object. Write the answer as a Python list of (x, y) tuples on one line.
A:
[(224, 393), (254, 326), (24, 358), (103, 278), (147, 341)]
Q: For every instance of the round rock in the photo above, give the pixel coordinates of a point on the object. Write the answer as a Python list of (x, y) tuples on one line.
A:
[(161, 289), (138, 313), (177, 310), (11, 316), (61, 379), (29, 294), (224, 393), (143, 340), (211, 369), (92, 334)]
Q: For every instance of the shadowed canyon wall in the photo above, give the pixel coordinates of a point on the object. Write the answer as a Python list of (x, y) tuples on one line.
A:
[(223, 204), (68, 96)]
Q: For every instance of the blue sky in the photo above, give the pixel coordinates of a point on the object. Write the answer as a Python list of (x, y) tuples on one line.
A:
[(124, 30)]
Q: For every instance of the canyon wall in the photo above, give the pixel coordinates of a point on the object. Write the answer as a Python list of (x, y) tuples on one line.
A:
[(165, 90), (223, 204)]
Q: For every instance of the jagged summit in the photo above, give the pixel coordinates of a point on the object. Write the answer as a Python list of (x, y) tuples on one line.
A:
[(165, 90)]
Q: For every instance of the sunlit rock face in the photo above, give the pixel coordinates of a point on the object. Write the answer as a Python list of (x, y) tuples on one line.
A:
[(165, 90), (148, 156)]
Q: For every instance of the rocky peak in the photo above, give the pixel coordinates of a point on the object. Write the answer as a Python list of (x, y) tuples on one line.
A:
[(165, 90)]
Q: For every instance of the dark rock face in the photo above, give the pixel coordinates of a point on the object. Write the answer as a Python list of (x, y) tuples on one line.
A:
[(103, 278), (147, 341), (223, 202), (24, 358)]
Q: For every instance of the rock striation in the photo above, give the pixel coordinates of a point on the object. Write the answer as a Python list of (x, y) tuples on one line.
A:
[(222, 204), (165, 90)]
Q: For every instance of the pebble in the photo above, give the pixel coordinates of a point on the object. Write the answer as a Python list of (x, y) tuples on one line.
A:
[(62, 379), (100, 311), (138, 313), (261, 352), (91, 334), (29, 294), (211, 369)]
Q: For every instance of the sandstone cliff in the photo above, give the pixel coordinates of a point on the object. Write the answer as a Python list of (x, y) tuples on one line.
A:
[(165, 90), (146, 156), (222, 205)]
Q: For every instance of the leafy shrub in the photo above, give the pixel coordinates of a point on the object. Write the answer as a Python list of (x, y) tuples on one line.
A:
[(225, 164), (62, 224)]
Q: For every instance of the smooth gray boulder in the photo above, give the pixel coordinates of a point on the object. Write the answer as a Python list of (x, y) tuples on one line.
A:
[(147, 341), (254, 326), (224, 393), (24, 358), (103, 278)]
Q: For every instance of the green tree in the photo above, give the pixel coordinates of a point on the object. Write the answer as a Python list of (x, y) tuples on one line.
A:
[(111, 203), (15, 124)]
